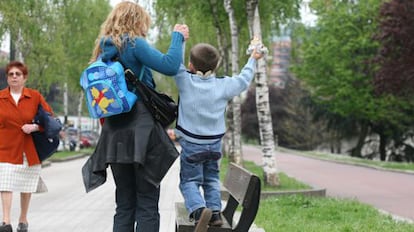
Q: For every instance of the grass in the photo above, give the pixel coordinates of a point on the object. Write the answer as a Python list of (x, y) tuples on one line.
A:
[(65, 154), (297, 213), (307, 214), (286, 183)]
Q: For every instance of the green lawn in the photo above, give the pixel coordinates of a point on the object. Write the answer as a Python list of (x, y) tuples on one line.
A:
[(286, 183), (319, 214), (65, 154)]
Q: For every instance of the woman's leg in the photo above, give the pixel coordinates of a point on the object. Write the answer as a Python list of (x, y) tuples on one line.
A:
[(147, 212), (6, 201), (24, 206), (125, 197)]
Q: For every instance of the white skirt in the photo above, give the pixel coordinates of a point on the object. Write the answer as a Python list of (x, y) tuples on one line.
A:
[(21, 177)]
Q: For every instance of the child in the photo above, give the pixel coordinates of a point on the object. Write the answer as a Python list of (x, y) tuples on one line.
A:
[(200, 127)]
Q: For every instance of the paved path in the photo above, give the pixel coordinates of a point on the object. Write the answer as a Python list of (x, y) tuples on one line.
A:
[(388, 191), (67, 208)]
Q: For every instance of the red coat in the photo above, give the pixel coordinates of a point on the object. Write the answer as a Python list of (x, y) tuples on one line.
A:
[(13, 141)]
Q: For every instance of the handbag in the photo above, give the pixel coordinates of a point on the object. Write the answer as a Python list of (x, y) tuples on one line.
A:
[(161, 106), (46, 141)]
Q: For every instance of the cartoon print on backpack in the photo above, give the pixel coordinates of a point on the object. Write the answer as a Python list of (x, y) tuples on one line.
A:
[(100, 99)]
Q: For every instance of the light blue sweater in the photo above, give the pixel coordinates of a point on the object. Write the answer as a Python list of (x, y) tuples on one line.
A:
[(203, 101)]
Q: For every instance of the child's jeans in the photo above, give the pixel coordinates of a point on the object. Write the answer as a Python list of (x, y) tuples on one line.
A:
[(199, 168)]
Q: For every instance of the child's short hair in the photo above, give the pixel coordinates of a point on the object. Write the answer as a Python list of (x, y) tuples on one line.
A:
[(204, 57)]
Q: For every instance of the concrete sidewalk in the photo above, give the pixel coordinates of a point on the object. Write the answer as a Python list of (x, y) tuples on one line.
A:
[(66, 207)]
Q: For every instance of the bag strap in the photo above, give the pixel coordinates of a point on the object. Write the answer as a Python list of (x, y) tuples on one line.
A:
[(131, 78), (137, 83), (130, 75), (141, 73)]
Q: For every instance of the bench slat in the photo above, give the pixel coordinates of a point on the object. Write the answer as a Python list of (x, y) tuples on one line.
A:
[(237, 182), (250, 206)]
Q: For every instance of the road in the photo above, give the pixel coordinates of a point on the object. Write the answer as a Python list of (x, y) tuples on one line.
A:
[(391, 192)]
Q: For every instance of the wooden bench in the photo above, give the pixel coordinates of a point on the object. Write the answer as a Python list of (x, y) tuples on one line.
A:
[(243, 190)]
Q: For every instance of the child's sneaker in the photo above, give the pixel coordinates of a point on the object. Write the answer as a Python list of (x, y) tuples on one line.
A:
[(216, 219), (202, 218)]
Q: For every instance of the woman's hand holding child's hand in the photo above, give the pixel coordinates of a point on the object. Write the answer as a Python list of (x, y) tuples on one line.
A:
[(183, 29)]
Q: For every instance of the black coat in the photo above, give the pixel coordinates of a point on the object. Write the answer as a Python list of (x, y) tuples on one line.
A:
[(131, 137)]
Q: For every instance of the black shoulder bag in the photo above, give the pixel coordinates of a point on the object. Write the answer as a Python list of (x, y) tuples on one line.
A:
[(162, 107), (47, 141)]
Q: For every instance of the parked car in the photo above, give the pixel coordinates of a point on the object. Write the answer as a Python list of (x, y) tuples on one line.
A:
[(88, 138)]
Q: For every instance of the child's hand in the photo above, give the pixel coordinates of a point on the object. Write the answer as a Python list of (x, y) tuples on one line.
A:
[(257, 54), (256, 48)]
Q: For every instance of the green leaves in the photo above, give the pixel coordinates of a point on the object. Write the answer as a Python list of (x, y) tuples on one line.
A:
[(335, 53), (340, 60), (55, 38)]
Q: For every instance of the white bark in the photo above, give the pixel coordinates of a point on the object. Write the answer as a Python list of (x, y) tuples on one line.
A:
[(262, 103), (223, 49), (236, 145)]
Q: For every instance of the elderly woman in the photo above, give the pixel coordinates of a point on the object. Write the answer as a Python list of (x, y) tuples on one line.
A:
[(19, 163)]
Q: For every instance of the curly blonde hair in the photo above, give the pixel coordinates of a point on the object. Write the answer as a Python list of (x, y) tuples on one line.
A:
[(127, 18)]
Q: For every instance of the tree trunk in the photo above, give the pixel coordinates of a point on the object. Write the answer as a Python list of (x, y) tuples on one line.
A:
[(12, 55), (78, 145), (223, 49), (264, 116), (356, 151), (65, 119), (382, 147), (236, 145)]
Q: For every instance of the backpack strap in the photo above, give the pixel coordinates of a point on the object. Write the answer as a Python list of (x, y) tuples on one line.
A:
[(130, 73)]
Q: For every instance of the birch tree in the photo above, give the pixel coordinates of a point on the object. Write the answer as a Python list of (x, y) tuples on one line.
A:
[(264, 116), (171, 11), (235, 105)]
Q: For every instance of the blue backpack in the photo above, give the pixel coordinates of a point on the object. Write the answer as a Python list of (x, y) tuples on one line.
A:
[(106, 90)]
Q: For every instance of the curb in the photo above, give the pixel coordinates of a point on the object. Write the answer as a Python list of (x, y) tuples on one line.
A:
[(51, 160), (73, 157), (310, 192)]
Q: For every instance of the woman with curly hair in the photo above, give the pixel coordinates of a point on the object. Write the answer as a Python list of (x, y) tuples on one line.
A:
[(132, 143)]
